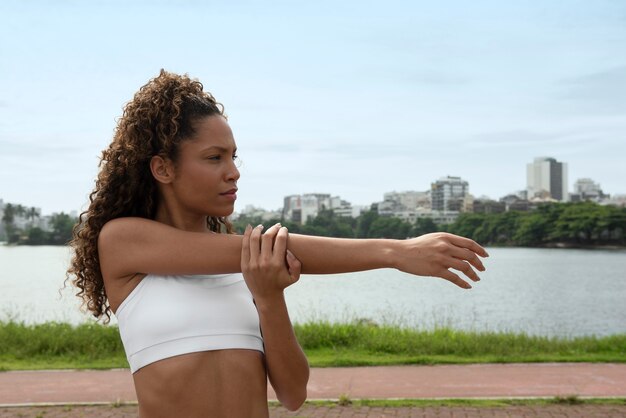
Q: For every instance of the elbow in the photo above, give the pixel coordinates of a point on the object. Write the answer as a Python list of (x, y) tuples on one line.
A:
[(294, 401)]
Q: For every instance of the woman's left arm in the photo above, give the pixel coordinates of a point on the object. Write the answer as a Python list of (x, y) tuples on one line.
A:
[(263, 266)]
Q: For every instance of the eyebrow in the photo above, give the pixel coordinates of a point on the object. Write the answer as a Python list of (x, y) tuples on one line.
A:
[(217, 147)]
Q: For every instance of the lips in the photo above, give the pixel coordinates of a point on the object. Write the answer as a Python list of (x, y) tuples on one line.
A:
[(231, 191)]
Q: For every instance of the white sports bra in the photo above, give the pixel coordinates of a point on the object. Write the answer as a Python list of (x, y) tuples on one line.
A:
[(166, 316)]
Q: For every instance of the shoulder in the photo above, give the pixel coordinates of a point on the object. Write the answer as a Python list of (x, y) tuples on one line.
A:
[(118, 233), (119, 240), (120, 228)]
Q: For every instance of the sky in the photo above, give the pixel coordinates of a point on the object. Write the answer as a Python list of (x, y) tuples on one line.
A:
[(351, 98)]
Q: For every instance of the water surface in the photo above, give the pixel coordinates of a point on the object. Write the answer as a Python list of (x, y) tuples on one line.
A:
[(561, 292)]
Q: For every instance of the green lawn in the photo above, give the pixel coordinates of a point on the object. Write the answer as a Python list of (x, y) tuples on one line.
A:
[(59, 345)]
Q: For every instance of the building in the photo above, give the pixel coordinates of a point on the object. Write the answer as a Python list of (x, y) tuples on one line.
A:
[(439, 216), (617, 200), (347, 210), (546, 176), (449, 194), (254, 212), (489, 206), (516, 201), (301, 208), (403, 204), (410, 200), (587, 189)]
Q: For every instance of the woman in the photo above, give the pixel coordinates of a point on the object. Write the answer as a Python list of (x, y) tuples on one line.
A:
[(155, 248)]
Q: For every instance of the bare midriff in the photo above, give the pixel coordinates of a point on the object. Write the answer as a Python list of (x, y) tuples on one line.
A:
[(222, 383)]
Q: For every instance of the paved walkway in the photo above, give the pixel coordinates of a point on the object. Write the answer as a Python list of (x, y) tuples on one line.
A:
[(309, 411), (446, 381), (40, 389)]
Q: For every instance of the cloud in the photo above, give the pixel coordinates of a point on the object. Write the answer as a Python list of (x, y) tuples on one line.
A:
[(438, 78), (602, 91), (522, 138)]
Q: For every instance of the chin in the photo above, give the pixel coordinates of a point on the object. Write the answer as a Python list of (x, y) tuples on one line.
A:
[(221, 213)]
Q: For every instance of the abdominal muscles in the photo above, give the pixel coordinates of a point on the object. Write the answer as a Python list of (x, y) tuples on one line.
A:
[(222, 383)]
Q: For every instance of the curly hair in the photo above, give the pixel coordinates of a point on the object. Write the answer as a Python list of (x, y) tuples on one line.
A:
[(159, 117)]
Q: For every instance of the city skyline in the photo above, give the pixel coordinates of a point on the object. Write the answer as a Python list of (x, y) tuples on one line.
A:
[(386, 97), (240, 209)]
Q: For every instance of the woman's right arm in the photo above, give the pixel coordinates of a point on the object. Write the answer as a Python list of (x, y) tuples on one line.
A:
[(137, 245)]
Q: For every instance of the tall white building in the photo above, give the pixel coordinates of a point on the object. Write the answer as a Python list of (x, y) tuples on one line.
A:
[(546, 174)]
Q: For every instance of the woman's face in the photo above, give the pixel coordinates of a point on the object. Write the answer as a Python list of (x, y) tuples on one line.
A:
[(206, 173)]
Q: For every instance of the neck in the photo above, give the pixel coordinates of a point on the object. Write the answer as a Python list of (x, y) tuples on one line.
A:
[(177, 218)]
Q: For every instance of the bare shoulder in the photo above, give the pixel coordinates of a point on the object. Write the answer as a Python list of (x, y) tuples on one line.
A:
[(123, 228), (119, 233), (116, 241)]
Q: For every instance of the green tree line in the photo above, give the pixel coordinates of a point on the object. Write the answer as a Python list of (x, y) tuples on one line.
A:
[(61, 225), (575, 224)]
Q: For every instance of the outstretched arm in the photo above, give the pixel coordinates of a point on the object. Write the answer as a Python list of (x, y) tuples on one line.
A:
[(137, 245), (427, 255)]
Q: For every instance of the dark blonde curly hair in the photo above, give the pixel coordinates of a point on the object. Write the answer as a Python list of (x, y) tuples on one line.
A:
[(159, 117)]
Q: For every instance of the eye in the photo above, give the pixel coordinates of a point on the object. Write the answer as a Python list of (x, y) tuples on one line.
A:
[(214, 157), (237, 160)]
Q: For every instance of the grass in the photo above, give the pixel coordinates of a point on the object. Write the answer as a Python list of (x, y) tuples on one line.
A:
[(364, 344), (477, 403), (55, 345)]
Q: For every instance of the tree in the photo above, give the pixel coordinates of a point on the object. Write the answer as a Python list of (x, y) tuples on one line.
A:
[(364, 223), (327, 223), (467, 224), (576, 223), (531, 231), (32, 213), (385, 227), (9, 215), (62, 225), (8, 218), (20, 210), (424, 226), (37, 236)]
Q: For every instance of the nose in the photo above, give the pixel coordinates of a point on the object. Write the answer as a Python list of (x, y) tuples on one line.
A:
[(233, 172)]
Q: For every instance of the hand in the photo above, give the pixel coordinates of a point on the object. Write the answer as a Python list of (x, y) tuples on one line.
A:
[(263, 261), (433, 254)]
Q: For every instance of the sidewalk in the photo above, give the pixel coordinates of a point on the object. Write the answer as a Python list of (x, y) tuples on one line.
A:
[(446, 381), (41, 389), (313, 411)]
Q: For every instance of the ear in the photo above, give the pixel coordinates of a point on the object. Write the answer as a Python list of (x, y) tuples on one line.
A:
[(162, 169)]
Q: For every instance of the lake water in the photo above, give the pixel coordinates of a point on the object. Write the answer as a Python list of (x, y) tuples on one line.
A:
[(554, 292)]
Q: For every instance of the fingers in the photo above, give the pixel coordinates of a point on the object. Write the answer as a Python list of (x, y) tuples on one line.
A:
[(245, 247), (280, 244), (448, 275), (467, 255), (469, 244), (295, 267), (255, 244), (463, 266), (267, 243)]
